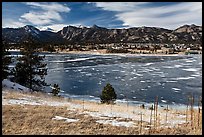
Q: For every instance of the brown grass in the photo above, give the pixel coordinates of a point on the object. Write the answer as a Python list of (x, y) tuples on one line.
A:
[(28, 119), (38, 120)]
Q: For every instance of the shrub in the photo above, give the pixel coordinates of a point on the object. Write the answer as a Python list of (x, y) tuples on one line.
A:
[(55, 90), (108, 94), (142, 106)]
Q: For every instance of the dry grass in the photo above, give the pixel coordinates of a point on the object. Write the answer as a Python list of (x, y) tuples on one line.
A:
[(38, 120), (30, 119)]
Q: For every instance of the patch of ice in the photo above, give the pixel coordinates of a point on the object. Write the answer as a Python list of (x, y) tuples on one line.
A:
[(115, 70), (167, 67), (72, 60), (183, 78), (66, 70), (170, 81), (138, 74), (177, 66), (190, 61), (195, 75), (164, 101), (156, 69), (11, 66), (89, 74), (176, 89), (191, 69), (132, 78), (147, 64)]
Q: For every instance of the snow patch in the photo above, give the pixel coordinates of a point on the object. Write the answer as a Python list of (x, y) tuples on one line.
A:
[(117, 123), (66, 119), (19, 102), (13, 50), (14, 86)]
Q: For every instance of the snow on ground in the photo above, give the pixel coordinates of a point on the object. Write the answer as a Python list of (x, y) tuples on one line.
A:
[(13, 50), (18, 102), (27, 101), (132, 113), (117, 123), (66, 119), (7, 84), (104, 113)]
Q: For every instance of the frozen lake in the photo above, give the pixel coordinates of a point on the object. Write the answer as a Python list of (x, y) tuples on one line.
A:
[(139, 78)]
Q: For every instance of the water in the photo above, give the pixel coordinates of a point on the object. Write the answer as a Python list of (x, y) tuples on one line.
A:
[(136, 79)]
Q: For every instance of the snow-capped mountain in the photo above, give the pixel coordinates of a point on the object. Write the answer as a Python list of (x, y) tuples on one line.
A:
[(18, 35), (96, 34)]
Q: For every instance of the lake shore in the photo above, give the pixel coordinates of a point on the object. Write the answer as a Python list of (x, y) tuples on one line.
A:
[(103, 52), (24, 113)]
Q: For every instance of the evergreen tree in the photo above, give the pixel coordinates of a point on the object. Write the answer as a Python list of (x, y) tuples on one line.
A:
[(55, 90), (6, 60), (108, 94), (30, 70)]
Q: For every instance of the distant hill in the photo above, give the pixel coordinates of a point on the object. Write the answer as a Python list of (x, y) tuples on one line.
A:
[(95, 34)]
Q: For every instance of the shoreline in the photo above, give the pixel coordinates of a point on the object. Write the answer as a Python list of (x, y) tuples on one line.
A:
[(103, 52), (119, 102), (93, 52), (123, 102), (94, 99)]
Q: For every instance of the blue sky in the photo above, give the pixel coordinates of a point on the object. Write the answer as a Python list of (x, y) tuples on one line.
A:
[(56, 15)]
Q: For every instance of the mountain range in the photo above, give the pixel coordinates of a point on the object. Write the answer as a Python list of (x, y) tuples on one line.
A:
[(95, 34)]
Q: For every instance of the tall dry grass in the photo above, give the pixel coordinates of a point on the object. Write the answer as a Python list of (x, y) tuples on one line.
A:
[(27, 119)]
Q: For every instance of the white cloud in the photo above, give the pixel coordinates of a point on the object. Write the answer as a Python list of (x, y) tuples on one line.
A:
[(141, 14), (50, 6), (41, 18), (118, 6), (47, 13), (9, 23)]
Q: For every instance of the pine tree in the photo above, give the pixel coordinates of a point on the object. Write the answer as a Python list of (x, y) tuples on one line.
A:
[(108, 94), (6, 60), (30, 70), (55, 90)]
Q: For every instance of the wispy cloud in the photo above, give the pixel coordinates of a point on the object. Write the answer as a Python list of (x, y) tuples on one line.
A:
[(10, 23), (141, 14), (118, 6), (56, 15), (44, 13)]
